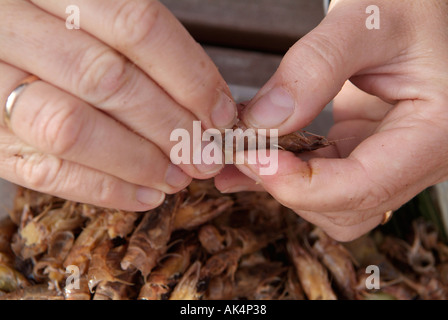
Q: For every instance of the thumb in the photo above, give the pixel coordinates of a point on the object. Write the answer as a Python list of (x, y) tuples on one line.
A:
[(314, 70)]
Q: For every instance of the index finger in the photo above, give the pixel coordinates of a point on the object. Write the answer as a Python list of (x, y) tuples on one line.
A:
[(150, 36), (385, 169)]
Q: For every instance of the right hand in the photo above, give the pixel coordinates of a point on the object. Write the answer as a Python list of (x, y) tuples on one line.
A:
[(96, 128), (390, 125)]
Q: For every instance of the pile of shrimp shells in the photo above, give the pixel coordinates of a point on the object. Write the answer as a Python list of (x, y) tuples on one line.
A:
[(201, 244)]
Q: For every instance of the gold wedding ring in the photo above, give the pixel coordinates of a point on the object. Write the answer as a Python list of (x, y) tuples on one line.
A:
[(12, 98), (386, 217)]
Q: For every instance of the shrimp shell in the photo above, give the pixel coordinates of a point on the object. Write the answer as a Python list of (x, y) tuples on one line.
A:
[(34, 236), (149, 240), (120, 223), (293, 290), (104, 266), (26, 199), (36, 292), (211, 239), (259, 282), (338, 261), (190, 216), (11, 279), (7, 231), (163, 278), (81, 293), (81, 251), (50, 265), (296, 142), (186, 289)]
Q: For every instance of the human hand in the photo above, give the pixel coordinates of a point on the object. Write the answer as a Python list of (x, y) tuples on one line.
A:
[(390, 131), (96, 128)]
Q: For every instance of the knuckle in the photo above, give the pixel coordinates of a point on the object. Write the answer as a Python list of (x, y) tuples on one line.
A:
[(346, 219), (39, 171), (134, 22), (373, 197), (287, 201), (361, 199), (201, 93), (100, 74), (367, 191), (369, 201), (59, 131), (319, 48), (149, 178), (106, 190)]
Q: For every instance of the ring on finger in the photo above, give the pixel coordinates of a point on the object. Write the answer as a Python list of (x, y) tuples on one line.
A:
[(386, 217), (13, 96)]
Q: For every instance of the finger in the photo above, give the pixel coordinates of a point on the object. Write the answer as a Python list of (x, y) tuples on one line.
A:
[(56, 123), (316, 67), (377, 171), (230, 180), (353, 103), (357, 115), (318, 185), (340, 231), (342, 226), (347, 135), (25, 166), (88, 69), (147, 33)]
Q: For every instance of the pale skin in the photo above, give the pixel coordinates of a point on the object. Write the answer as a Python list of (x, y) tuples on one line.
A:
[(96, 128), (391, 119)]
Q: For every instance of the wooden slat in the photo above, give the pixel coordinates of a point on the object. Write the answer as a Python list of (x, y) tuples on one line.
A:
[(246, 72), (268, 25), (246, 68)]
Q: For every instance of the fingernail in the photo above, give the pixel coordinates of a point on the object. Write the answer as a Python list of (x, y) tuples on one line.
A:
[(272, 109), (248, 172), (235, 189), (175, 177), (209, 165), (208, 168), (149, 196), (224, 113)]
